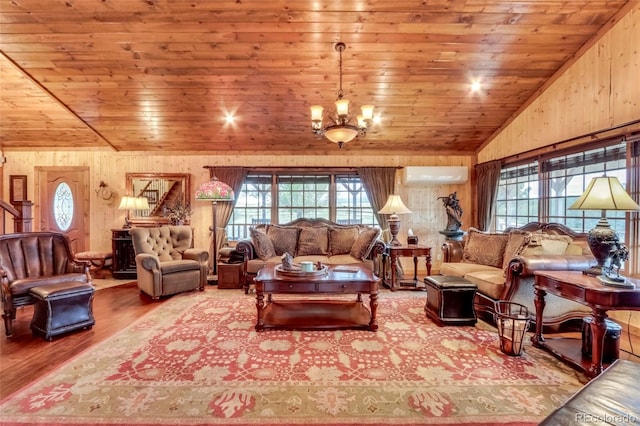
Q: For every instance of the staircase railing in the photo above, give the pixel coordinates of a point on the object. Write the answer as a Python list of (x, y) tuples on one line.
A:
[(20, 211)]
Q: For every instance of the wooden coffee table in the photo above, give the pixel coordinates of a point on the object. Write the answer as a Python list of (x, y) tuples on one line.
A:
[(316, 313)]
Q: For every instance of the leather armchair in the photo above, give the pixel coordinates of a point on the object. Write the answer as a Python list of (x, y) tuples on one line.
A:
[(166, 263), (35, 259)]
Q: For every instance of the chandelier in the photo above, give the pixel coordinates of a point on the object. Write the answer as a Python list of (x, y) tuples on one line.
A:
[(341, 129)]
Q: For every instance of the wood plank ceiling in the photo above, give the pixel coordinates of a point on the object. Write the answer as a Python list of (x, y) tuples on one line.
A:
[(161, 75)]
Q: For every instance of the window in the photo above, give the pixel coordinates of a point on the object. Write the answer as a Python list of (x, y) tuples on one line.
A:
[(283, 197), (518, 194), (544, 189)]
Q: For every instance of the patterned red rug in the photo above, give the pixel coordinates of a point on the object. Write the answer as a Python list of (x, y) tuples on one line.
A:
[(197, 360)]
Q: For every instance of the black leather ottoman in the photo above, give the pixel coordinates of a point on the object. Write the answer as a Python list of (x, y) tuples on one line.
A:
[(62, 307), (450, 300)]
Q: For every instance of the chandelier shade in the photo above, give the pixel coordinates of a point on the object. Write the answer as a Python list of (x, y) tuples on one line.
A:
[(341, 130)]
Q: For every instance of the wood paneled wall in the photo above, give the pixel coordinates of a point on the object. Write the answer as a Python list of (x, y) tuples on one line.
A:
[(427, 219), (601, 90)]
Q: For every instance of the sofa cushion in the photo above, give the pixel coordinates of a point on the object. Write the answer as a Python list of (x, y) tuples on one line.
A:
[(485, 248), (313, 240), (490, 283), (22, 286), (262, 244), (542, 244), (516, 243), (460, 269), (341, 240), (363, 245), (284, 238)]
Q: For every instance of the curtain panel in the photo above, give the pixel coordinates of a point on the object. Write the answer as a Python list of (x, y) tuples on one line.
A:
[(379, 183), (487, 190)]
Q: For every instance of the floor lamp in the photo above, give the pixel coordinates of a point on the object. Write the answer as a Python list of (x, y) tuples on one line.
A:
[(214, 191)]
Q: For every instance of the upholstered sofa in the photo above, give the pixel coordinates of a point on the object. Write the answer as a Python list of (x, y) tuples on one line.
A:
[(316, 240), (35, 259), (166, 263), (502, 265)]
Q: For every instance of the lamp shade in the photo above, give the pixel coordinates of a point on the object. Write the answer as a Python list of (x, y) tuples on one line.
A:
[(127, 203), (394, 206), (605, 193), (133, 203), (141, 203), (214, 190)]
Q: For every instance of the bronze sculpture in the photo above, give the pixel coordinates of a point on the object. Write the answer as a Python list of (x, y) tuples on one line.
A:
[(454, 212)]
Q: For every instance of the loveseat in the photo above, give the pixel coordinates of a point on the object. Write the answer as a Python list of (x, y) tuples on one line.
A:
[(316, 240), (502, 266), (35, 259)]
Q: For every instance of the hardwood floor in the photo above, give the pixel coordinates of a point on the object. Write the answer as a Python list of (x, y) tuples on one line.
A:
[(24, 357)]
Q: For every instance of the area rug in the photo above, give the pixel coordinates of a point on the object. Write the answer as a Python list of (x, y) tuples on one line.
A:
[(198, 360)]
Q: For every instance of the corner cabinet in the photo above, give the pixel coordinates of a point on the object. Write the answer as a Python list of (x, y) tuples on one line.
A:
[(124, 256)]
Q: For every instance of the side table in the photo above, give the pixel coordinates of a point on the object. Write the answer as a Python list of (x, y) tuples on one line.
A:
[(588, 291), (407, 251)]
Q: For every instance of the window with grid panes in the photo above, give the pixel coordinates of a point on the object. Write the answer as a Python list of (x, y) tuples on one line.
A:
[(303, 196), (253, 206), (352, 202), (570, 175), (281, 198), (518, 195), (523, 193)]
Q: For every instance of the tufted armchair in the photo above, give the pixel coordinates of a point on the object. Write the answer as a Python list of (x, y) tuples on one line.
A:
[(165, 262)]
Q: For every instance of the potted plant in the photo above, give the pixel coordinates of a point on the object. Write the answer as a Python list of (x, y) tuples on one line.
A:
[(178, 213)]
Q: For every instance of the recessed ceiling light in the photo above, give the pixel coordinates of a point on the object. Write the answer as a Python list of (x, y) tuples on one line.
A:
[(475, 86), (229, 118)]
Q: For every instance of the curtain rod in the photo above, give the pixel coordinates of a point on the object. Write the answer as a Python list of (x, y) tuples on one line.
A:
[(594, 137)]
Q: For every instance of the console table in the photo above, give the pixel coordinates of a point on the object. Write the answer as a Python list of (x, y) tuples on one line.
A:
[(407, 251), (588, 291), (124, 256)]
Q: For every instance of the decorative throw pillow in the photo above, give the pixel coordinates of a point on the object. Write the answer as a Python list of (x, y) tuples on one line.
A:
[(484, 248), (262, 244), (363, 245), (313, 240), (542, 244), (284, 239), (517, 242), (342, 239)]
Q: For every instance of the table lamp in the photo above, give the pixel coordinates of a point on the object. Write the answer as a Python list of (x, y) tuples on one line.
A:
[(394, 206), (214, 191), (132, 203), (606, 193)]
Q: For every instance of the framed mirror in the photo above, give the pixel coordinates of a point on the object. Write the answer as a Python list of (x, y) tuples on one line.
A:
[(163, 191)]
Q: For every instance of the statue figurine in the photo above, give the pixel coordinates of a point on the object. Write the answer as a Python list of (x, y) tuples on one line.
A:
[(287, 263), (454, 211), (617, 256)]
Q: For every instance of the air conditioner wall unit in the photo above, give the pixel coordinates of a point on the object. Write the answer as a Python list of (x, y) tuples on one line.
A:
[(436, 174)]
